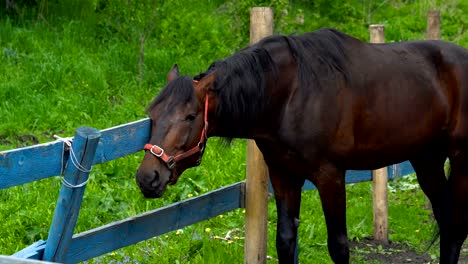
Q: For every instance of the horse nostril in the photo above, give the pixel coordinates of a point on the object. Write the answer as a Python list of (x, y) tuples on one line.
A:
[(155, 181)]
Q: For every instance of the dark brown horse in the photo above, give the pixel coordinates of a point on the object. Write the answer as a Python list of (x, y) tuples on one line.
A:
[(317, 105)]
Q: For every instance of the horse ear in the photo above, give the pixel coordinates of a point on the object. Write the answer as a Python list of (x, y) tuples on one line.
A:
[(202, 86), (173, 73)]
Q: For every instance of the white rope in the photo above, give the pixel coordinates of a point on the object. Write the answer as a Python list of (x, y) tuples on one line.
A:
[(74, 161), (69, 185)]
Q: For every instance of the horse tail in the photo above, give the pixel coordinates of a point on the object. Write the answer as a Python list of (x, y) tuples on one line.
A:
[(435, 237)]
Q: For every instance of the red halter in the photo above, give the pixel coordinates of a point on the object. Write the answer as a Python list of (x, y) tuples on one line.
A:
[(171, 161)]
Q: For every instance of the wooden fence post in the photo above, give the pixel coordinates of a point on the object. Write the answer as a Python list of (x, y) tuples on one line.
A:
[(256, 205), (68, 205), (380, 176), (433, 25)]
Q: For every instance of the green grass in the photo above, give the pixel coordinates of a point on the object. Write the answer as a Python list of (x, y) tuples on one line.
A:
[(204, 243), (79, 67)]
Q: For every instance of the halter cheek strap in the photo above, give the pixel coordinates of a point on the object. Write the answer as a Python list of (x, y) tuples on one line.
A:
[(171, 161)]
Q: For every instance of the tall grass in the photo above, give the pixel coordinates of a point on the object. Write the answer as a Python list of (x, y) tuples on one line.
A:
[(61, 69)]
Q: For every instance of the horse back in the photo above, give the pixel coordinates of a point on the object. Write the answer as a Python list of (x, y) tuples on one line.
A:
[(400, 98)]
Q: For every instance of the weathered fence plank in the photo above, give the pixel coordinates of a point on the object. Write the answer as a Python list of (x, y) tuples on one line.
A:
[(132, 230), (34, 251), (38, 162), (122, 140), (19, 166), (107, 238), (353, 176), (14, 260)]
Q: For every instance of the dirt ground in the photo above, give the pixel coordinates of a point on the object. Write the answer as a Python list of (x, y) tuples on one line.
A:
[(394, 253)]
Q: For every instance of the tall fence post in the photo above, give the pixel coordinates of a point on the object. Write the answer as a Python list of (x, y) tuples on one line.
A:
[(76, 175), (380, 176), (256, 204), (433, 25)]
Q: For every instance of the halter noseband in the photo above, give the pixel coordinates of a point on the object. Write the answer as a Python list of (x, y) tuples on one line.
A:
[(171, 161)]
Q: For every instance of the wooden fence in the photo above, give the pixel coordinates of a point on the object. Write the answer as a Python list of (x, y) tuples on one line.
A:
[(29, 164), (90, 147)]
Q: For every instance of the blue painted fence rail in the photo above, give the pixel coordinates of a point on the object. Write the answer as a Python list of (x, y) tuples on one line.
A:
[(107, 238), (14, 260), (19, 166), (29, 164)]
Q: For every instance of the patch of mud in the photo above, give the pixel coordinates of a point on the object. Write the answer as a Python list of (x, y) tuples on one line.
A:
[(394, 253)]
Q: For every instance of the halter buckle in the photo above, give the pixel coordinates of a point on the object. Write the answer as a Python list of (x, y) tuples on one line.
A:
[(156, 154), (201, 146), (171, 163)]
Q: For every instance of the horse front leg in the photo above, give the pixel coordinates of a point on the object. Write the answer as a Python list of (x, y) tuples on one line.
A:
[(288, 201), (330, 182)]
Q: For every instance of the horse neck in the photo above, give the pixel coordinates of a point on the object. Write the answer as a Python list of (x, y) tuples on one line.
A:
[(261, 124), (222, 124)]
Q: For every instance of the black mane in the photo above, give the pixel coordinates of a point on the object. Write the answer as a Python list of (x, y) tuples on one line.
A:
[(241, 78), (320, 57), (240, 85), (178, 91)]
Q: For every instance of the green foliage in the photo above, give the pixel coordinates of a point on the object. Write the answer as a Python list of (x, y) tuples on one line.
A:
[(65, 64), (128, 18)]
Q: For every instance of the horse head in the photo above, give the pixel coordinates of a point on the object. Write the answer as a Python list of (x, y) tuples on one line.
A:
[(179, 123)]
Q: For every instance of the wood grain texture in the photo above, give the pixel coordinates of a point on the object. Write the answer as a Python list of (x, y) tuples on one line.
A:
[(377, 33), (352, 176), (14, 260), (132, 230), (256, 204), (34, 251), (379, 176), (23, 165), (380, 204), (69, 201), (122, 140), (37, 162), (433, 25)]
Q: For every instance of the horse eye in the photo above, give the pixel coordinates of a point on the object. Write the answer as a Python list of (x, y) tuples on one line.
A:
[(190, 117)]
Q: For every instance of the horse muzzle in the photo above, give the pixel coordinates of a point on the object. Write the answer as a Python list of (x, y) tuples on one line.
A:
[(153, 183)]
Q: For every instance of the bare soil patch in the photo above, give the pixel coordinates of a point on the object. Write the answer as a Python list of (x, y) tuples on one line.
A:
[(375, 252)]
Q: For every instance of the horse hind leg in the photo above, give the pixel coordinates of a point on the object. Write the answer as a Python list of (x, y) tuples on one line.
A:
[(330, 182), (288, 199), (455, 227), (430, 172)]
